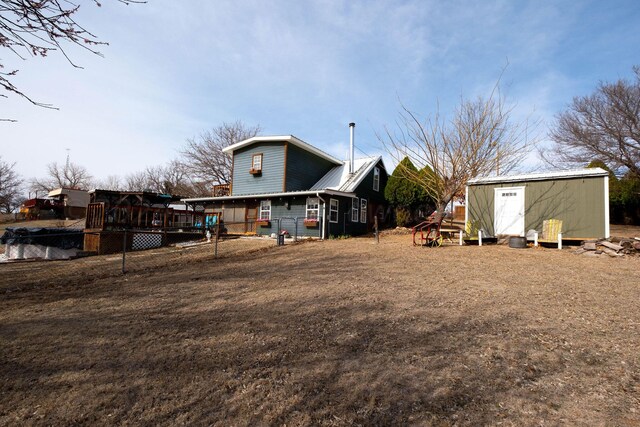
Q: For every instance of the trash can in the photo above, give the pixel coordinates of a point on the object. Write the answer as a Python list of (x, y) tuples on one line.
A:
[(280, 239), (517, 242)]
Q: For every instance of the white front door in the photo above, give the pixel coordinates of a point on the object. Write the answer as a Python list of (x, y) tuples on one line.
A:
[(509, 211)]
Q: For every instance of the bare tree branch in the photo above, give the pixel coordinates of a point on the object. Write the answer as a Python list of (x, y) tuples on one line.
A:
[(604, 126), (10, 187), (480, 139), (203, 157), (69, 175), (35, 28)]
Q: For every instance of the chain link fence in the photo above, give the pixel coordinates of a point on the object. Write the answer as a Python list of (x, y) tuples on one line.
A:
[(37, 257)]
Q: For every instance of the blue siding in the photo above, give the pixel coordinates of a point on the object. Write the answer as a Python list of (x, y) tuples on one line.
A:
[(304, 169), (297, 209), (272, 178)]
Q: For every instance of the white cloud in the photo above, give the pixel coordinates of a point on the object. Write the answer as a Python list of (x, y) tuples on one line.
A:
[(307, 68)]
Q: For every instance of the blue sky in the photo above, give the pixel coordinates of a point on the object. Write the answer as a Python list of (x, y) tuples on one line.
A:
[(307, 68)]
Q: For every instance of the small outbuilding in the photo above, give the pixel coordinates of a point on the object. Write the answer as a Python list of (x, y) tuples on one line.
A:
[(74, 201), (513, 205)]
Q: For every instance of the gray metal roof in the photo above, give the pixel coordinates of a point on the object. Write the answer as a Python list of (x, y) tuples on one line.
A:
[(339, 179), (577, 173), (268, 195)]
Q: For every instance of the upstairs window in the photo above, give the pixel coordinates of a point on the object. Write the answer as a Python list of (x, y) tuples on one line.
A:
[(265, 210), (333, 210), (376, 179), (312, 208), (256, 164), (354, 209), (363, 211)]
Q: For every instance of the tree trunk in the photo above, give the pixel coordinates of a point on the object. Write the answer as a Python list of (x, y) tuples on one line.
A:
[(439, 213)]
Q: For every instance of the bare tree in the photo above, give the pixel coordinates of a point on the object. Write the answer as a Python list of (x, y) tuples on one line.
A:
[(171, 178), (479, 140), (111, 182), (36, 28), (203, 157), (604, 125), (136, 181), (69, 175), (10, 187)]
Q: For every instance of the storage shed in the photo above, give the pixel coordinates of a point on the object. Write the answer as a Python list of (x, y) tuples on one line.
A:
[(512, 205)]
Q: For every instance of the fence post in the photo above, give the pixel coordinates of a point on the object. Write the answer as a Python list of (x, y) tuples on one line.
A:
[(215, 245), (375, 227), (124, 251)]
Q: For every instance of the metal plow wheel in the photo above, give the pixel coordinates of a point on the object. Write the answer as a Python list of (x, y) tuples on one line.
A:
[(434, 239)]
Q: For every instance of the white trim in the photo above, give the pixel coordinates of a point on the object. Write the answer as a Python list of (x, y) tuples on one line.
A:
[(364, 210), (376, 183), (363, 175), (253, 161), (495, 207), (337, 211), (607, 227), (282, 138), (316, 210), (580, 173), (264, 210), (466, 206), (348, 182), (355, 200)]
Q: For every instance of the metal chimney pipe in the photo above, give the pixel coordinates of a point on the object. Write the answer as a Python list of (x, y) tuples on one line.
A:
[(352, 127)]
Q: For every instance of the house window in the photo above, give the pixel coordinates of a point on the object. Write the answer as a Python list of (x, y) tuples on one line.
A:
[(265, 210), (376, 179), (312, 208), (256, 163), (333, 210), (363, 210), (354, 209)]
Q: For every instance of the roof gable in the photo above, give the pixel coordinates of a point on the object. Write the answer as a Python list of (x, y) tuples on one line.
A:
[(339, 178), (282, 138)]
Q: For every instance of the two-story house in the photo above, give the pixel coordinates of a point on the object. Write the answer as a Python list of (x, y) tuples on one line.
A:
[(283, 183)]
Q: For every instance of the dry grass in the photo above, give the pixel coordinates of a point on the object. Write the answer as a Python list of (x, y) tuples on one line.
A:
[(339, 332)]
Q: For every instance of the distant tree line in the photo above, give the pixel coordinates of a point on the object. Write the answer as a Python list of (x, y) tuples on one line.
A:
[(200, 164)]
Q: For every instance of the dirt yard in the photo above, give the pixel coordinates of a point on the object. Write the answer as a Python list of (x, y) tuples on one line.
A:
[(340, 332)]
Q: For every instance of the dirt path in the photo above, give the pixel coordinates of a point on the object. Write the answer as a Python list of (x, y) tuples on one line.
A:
[(341, 332)]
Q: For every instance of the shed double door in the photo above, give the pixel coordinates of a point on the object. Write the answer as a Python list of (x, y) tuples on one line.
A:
[(509, 211)]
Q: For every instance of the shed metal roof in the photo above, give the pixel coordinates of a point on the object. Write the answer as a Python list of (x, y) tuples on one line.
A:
[(544, 176)]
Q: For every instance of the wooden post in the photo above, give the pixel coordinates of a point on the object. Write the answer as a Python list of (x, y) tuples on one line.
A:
[(215, 251), (375, 227), (124, 250)]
